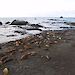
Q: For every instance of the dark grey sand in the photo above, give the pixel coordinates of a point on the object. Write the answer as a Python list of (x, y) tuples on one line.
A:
[(48, 53)]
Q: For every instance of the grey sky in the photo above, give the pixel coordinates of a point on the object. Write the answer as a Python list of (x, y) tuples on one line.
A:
[(31, 8)]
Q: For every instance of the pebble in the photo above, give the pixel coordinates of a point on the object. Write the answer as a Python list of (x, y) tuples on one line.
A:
[(60, 38), (47, 45), (1, 62), (5, 71), (54, 36), (17, 43), (55, 42)]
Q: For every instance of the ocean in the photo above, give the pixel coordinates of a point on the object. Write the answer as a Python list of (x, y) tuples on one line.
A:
[(7, 31)]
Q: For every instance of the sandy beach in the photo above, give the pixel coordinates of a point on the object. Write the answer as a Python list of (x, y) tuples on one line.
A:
[(47, 53)]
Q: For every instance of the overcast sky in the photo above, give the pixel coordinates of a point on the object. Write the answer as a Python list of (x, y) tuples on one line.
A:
[(32, 8)]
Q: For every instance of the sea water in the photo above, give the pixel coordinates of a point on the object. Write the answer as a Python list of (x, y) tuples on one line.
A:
[(48, 23)]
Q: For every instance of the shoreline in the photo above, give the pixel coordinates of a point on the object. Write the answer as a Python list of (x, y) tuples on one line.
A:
[(52, 52)]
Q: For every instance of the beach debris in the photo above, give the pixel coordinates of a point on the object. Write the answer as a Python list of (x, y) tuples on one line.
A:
[(33, 53), (10, 51), (47, 45), (17, 43), (26, 56), (54, 36), (1, 64), (3, 58), (60, 38), (7, 60), (5, 71), (45, 58), (21, 50), (27, 46), (55, 42)]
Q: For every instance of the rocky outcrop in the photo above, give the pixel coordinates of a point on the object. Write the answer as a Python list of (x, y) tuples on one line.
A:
[(0, 23), (18, 22)]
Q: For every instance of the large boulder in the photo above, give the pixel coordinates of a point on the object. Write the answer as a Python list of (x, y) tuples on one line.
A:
[(0, 23), (18, 22)]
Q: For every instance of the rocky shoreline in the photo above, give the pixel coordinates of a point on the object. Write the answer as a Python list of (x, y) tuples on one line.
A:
[(47, 53)]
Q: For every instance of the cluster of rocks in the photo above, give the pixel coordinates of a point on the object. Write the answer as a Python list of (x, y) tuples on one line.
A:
[(28, 47), (42, 40), (26, 24)]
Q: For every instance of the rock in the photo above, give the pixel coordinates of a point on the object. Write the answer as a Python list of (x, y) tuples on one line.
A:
[(64, 27), (3, 58), (36, 25), (60, 38), (5, 71), (11, 35), (53, 19), (61, 16), (17, 43), (67, 23), (34, 29), (18, 22), (7, 22), (1, 62), (20, 32), (67, 27), (0, 23), (73, 23), (25, 56)]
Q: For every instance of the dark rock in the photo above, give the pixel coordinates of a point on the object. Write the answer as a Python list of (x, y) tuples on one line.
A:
[(0, 47), (64, 27), (68, 27), (50, 19), (61, 16), (21, 32), (10, 35), (67, 23), (0, 23), (53, 22), (18, 22), (34, 29), (36, 25), (73, 23), (53, 19), (7, 22)]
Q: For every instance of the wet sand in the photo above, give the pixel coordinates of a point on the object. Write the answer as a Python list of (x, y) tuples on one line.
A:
[(47, 53)]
